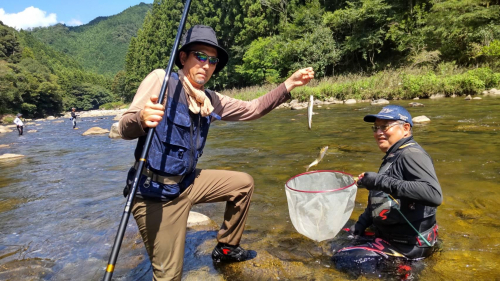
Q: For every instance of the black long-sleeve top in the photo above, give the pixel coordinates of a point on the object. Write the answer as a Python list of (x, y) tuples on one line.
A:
[(407, 174)]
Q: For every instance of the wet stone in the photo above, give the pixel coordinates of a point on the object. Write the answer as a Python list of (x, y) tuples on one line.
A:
[(421, 119), (10, 156), (95, 131), (415, 104)]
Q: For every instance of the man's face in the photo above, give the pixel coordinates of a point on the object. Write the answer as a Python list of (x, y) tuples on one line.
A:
[(196, 71), (393, 133)]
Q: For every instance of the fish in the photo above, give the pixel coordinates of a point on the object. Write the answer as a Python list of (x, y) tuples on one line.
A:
[(317, 160), (310, 111)]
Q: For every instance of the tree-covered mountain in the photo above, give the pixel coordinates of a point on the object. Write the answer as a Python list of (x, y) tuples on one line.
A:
[(37, 80), (99, 46)]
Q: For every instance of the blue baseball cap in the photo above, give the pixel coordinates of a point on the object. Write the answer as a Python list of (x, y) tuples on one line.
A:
[(391, 112)]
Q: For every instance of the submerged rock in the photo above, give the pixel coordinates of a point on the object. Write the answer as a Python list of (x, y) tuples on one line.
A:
[(95, 131), (32, 131), (298, 106), (4, 145), (414, 104), (476, 128), (468, 97)]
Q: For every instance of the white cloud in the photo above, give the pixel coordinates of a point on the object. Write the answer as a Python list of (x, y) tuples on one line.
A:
[(74, 22), (30, 17)]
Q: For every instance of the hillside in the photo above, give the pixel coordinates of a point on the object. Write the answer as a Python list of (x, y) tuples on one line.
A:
[(37, 80), (99, 46)]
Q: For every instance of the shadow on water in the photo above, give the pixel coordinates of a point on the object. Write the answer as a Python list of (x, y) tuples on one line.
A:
[(60, 205)]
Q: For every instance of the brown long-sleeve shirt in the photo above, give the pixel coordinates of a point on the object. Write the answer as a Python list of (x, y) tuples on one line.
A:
[(229, 109)]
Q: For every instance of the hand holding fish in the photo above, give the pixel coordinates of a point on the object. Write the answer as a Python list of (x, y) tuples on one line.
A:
[(300, 78), (317, 160)]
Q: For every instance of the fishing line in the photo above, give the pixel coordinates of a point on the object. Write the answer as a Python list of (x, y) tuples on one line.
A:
[(398, 206)]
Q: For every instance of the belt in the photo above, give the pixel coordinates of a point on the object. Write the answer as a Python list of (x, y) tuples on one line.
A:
[(157, 178)]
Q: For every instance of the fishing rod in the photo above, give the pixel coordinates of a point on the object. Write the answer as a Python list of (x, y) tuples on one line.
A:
[(126, 213)]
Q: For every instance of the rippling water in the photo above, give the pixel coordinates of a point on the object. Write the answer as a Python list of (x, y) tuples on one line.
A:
[(60, 205)]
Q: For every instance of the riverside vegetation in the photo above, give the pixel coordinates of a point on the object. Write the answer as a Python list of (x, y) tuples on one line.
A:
[(359, 49)]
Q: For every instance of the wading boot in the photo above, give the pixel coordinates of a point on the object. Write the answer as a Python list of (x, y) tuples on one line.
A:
[(227, 253)]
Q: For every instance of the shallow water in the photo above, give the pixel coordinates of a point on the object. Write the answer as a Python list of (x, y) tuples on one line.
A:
[(61, 204)]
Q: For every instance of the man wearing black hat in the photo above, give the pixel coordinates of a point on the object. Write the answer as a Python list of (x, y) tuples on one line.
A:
[(402, 201), (171, 184), (19, 123)]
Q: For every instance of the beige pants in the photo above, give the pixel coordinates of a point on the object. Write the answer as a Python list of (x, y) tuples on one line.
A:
[(163, 225)]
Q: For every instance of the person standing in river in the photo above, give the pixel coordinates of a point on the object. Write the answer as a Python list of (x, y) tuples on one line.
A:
[(402, 201), (19, 124), (170, 183), (73, 116)]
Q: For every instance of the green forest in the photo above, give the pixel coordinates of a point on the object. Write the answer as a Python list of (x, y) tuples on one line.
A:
[(359, 49), (269, 39)]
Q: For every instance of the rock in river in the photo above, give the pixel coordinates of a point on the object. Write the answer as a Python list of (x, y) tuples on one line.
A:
[(421, 119), (9, 156), (114, 134), (95, 131), (414, 104), (197, 219), (379, 102)]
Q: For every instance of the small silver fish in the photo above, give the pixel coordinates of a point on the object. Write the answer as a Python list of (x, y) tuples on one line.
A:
[(317, 160), (310, 111)]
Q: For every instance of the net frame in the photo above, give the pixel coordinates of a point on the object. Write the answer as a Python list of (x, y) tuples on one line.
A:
[(319, 191)]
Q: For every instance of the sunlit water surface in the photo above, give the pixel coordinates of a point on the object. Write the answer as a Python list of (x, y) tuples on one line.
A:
[(60, 205)]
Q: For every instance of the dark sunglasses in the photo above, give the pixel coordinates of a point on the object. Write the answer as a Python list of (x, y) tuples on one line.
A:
[(202, 57)]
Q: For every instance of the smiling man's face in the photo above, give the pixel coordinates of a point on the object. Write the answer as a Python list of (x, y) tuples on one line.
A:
[(395, 130)]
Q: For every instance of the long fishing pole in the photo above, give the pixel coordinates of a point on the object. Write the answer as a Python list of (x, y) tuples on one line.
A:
[(126, 213)]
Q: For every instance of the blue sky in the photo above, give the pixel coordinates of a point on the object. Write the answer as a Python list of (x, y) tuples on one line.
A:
[(32, 13)]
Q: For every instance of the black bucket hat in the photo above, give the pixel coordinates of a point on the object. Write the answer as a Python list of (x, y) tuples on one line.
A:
[(202, 34)]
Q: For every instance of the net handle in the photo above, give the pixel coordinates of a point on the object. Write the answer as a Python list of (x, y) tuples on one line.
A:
[(320, 191)]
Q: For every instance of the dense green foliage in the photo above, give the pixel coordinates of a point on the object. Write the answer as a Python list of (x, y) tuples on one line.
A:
[(269, 39), (99, 46), (38, 81), (406, 83)]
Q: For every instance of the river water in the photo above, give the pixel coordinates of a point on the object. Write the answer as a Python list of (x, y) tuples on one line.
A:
[(60, 205)]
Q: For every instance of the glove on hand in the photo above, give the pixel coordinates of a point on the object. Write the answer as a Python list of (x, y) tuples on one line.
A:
[(368, 180)]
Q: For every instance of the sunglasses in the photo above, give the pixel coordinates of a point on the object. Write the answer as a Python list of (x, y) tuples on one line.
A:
[(384, 128), (202, 57)]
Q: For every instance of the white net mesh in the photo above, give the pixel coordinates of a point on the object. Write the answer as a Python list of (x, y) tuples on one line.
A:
[(320, 203)]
